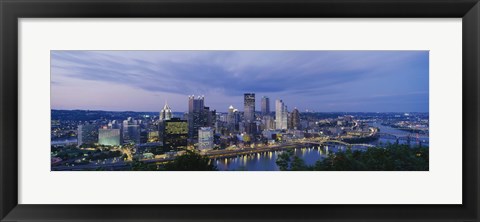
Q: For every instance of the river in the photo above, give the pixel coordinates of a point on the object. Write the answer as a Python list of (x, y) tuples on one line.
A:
[(415, 140), (266, 161)]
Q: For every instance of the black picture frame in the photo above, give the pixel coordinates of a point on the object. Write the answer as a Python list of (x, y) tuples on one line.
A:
[(12, 10)]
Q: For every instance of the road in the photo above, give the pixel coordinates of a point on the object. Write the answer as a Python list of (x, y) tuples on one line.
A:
[(212, 154)]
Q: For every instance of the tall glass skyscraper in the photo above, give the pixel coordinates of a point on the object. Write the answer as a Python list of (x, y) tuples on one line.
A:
[(196, 104), (294, 121), (249, 107), (196, 115), (87, 134), (131, 130), (233, 118), (265, 105), (205, 138), (281, 115)]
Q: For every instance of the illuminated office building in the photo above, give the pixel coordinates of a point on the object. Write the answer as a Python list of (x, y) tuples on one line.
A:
[(109, 137), (281, 115), (233, 119), (87, 134), (294, 120), (268, 123), (265, 105), (131, 131), (175, 134), (153, 136), (205, 138), (249, 107), (196, 115)]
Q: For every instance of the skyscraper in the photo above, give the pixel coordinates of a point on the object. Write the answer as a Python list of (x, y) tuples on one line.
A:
[(281, 115), (265, 105), (87, 134), (295, 119), (196, 104), (249, 107), (166, 112), (268, 122), (289, 121), (131, 130), (230, 120), (210, 116), (233, 118), (205, 138), (197, 116)]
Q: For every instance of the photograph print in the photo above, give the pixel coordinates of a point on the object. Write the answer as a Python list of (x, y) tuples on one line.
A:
[(239, 110)]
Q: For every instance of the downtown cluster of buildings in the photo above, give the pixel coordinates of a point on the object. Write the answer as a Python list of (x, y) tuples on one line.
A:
[(197, 127), (254, 122)]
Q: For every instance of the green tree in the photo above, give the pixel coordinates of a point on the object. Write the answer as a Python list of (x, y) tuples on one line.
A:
[(298, 164), (288, 161), (394, 157), (190, 161), (284, 159), (137, 165)]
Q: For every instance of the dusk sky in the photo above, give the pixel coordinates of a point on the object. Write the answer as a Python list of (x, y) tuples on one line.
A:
[(323, 81)]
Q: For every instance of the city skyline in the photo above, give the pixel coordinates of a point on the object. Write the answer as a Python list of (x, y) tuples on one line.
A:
[(321, 81)]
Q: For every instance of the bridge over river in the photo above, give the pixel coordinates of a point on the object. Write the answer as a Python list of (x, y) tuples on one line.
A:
[(406, 136), (216, 154), (328, 142)]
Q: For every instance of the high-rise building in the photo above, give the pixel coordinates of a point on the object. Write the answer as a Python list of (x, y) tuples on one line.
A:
[(251, 128), (294, 121), (249, 107), (175, 134), (281, 115), (166, 112), (210, 116), (222, 117), (131, 130), (87, 134), (265, 106), (205, 138), (268, 123), (230, 115), (289, 121), (196, 104), (196, 115), (109, 137), (233, 119)]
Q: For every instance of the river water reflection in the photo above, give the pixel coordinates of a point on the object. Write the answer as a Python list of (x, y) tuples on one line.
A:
[(266, 161), (416, 139)]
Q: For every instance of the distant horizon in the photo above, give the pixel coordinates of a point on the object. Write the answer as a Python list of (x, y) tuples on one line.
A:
[(325, 81)]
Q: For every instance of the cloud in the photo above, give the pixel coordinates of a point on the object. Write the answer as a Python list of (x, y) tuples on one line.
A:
[(301, 73)]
